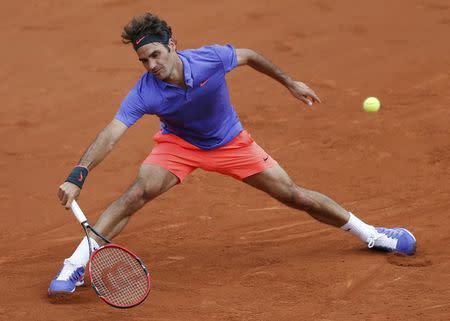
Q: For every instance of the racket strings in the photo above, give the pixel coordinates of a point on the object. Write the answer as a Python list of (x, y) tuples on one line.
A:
[(119, 277)]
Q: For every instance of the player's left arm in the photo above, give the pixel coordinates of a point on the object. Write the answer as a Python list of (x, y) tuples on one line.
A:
[(260, 63)]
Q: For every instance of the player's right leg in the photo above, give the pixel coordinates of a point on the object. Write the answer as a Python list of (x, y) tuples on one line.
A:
[(152, 181)]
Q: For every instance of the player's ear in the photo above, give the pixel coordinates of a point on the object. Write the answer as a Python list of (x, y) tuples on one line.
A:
[(172, 44)]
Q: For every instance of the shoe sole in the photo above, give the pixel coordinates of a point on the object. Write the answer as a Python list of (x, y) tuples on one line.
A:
[(64, 295), (59, 296)]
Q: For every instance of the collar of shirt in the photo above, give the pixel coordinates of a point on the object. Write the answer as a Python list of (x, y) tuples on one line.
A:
[(188, 80)]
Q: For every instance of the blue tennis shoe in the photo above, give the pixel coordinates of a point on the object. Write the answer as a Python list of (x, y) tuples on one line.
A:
[(69, 277), (398, 240)]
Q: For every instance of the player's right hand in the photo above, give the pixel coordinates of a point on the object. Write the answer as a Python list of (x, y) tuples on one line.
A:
[(68, 192)]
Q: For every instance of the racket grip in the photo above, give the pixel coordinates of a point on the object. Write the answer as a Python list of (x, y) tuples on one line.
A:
[(78, 212)]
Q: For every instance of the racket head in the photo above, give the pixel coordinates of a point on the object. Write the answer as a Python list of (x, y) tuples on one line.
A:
[(118, 276)]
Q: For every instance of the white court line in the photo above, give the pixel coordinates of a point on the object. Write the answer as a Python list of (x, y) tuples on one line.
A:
[(288, 237), (268, 208), (436, 306), (281, 227)]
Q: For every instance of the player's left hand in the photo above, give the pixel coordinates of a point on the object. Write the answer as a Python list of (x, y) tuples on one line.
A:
[(301, 91)]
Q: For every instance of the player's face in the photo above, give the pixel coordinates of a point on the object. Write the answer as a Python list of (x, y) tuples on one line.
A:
[(157, 59)]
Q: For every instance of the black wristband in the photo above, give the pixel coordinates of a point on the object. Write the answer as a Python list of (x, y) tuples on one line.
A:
[(78, 176)]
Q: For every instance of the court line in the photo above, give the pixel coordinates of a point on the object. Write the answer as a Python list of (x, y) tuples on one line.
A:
[(281, 227)]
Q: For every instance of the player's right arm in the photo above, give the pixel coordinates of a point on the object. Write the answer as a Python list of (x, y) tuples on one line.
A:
[(95, 153)]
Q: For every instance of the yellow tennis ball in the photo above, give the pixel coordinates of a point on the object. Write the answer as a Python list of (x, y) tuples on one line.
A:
[(371, 105)]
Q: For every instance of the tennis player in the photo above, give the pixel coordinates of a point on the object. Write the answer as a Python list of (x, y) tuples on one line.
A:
[(187, 90)]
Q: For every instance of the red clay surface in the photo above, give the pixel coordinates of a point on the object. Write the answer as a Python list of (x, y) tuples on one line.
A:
[(216, 248)]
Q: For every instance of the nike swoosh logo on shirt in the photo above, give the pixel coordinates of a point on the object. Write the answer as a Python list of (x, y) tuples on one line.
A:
[(204, 82)]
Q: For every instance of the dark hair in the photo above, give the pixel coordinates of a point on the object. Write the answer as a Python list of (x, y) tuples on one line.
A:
[(147, 23)]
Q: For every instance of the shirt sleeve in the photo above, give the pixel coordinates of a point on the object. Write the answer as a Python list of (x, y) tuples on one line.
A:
[(131, 109), (227, 55)]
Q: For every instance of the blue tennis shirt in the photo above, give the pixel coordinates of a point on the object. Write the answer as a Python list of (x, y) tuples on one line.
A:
[(202, 113)]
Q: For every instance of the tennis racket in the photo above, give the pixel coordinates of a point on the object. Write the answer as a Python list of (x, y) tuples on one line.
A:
[(117, 275)]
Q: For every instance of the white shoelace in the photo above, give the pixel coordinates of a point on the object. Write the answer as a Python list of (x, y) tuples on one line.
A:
[(382, 240), (67, 271)]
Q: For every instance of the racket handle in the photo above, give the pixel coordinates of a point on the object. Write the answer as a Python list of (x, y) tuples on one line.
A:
[(78, 212)]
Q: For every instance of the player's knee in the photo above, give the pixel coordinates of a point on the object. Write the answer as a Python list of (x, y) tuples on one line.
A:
[(300, 199), (135, 196)]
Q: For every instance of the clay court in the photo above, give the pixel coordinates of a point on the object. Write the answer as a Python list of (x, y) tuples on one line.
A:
[(216, 248)]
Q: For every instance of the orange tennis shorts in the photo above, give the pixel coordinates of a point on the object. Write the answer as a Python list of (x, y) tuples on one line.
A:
[(240, 158)]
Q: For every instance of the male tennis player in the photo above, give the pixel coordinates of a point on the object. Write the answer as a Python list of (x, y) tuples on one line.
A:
[(187, 90)]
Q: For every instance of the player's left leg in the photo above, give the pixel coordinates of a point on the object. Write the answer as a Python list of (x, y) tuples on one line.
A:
[(244, 159), (277, 183)]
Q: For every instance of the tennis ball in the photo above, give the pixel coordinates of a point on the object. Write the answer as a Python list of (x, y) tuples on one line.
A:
[(371, 104)]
